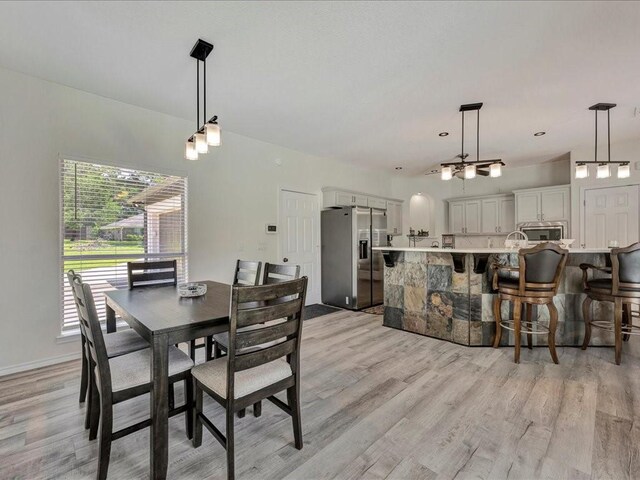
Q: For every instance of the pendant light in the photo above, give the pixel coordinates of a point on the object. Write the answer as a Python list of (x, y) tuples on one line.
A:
[(470, 169), (603, 169), (208, 132)]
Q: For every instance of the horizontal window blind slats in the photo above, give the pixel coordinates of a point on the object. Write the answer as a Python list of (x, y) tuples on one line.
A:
[(111, 216)]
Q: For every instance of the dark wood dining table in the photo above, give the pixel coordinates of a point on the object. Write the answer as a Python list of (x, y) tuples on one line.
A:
[(162, 318)]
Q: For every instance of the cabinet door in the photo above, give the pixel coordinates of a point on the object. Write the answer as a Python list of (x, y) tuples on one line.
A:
[(490, 215), (398, 218), (345, 199), (456, 217), (472, 214), (394, 218), (528, 207), (554, 205), (377, 203), (360, 201), (506, 215)]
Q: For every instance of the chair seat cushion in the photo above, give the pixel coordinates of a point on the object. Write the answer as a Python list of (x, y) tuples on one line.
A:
[(123, 342), (213, 375), (134, 369)]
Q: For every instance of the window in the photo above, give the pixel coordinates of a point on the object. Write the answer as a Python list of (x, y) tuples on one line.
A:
[(111, 216)]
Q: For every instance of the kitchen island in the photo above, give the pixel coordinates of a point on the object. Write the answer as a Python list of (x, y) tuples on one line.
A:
[(447, 294)]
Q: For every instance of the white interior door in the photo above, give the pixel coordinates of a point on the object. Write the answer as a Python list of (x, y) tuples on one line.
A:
[(299, 237), (610, 214)]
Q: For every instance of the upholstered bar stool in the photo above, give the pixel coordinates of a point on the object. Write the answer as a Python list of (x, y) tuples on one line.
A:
[(622, 289), (538, 274)]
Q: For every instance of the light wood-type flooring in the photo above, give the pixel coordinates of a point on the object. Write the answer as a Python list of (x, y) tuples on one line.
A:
[(376, 403)]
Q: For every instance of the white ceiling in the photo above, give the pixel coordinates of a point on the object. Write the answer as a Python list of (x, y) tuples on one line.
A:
[(368, 83)]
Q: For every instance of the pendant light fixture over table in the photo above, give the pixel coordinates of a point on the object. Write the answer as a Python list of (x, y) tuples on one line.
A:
[(208, 132), (469, 170), (603, 169)]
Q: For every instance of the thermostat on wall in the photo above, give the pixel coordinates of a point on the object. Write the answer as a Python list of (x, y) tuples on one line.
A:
[(270, 228)]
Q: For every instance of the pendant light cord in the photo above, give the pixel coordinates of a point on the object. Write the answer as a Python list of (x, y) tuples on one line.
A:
[(478, 139), (609, 136), (204, 91), (462, 146), (595, 158), (197, 95)]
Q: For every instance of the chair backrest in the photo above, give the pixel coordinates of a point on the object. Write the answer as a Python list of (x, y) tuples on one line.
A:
[(254, 347), (93, 331), (274, 273), (247, 273), (70, 276), (160, 273), (625, 268), (541, 268)]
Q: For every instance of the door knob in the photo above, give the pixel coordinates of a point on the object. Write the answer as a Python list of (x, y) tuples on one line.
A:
[(285, 259)]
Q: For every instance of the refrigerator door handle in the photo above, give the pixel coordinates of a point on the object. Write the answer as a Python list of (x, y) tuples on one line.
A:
[(364, 249)]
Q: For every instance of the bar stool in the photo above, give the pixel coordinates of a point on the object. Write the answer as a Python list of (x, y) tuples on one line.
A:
[(622, 289), (538, 274)]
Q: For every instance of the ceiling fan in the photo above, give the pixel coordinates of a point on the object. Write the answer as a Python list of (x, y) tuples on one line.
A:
[(467, 170)]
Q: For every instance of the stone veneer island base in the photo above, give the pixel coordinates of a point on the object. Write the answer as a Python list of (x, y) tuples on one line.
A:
[(446, 294)]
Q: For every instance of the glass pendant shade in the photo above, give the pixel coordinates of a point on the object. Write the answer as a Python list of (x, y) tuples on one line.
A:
[(470, 172), (495, 170), (624, 171), (212, 131), (582, 170), (201, 143), (447, 173), (190, 152), (603, 171)]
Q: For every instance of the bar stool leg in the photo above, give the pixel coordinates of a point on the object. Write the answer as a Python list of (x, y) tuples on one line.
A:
[(497, 302), (529, 307), (517, 311), (586, 315), (618, 328), (553, 323)]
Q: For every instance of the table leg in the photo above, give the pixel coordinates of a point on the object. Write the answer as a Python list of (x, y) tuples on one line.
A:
[(111, 319), (159, 438)]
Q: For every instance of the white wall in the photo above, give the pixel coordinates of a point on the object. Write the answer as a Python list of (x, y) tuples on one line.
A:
[(438, 191), (233, 192)]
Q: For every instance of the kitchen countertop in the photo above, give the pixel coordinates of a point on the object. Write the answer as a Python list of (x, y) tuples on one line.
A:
[(479, 250)]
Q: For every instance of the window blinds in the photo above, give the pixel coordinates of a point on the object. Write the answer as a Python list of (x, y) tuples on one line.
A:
[(112, 215)]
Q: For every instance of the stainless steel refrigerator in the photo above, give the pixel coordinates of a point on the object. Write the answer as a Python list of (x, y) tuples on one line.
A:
[(352, 273)]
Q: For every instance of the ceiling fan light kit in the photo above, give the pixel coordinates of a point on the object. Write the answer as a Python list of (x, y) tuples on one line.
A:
[(469, 170), (603, 169), (208, 132)]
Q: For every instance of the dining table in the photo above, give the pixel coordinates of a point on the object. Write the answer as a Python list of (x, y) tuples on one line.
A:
[(163, 318)]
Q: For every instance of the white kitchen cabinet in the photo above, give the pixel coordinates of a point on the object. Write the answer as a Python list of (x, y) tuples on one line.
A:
[(472, 220), (342, 198), (375, 202), (548, 204), (456, 217), (394, 218), (484, 215)]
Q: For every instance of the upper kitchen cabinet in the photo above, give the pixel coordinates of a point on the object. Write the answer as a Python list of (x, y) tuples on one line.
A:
[(548, 204), (338, 198), (482, 215), (394, 217)]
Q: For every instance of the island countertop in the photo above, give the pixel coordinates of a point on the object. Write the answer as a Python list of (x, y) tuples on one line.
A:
[(496, 250)]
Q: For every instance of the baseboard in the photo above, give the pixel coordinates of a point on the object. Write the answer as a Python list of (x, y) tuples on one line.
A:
[(45, 362)]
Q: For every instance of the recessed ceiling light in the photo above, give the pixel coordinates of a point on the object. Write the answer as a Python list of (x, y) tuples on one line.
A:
[(443, 134), (398, 168), (539, 134)]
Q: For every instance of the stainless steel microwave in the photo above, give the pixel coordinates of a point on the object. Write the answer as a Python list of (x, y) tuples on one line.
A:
[(544, 231)]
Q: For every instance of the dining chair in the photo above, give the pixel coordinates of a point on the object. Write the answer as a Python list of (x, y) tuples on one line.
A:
[(538, 278), (247, 272), (116, 344), (254, 369), (273, 274), (123, 378), (622, 288)]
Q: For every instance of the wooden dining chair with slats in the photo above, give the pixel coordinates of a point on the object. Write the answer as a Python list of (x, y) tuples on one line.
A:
[(122, 378), (254, 368), (273, 274), (247, 273), (116, 344)]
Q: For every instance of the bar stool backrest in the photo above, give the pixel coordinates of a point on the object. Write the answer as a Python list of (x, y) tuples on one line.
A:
[(541, 268), (625, 268)]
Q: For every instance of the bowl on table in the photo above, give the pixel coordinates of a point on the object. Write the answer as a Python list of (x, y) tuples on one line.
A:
[(192, 289)]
